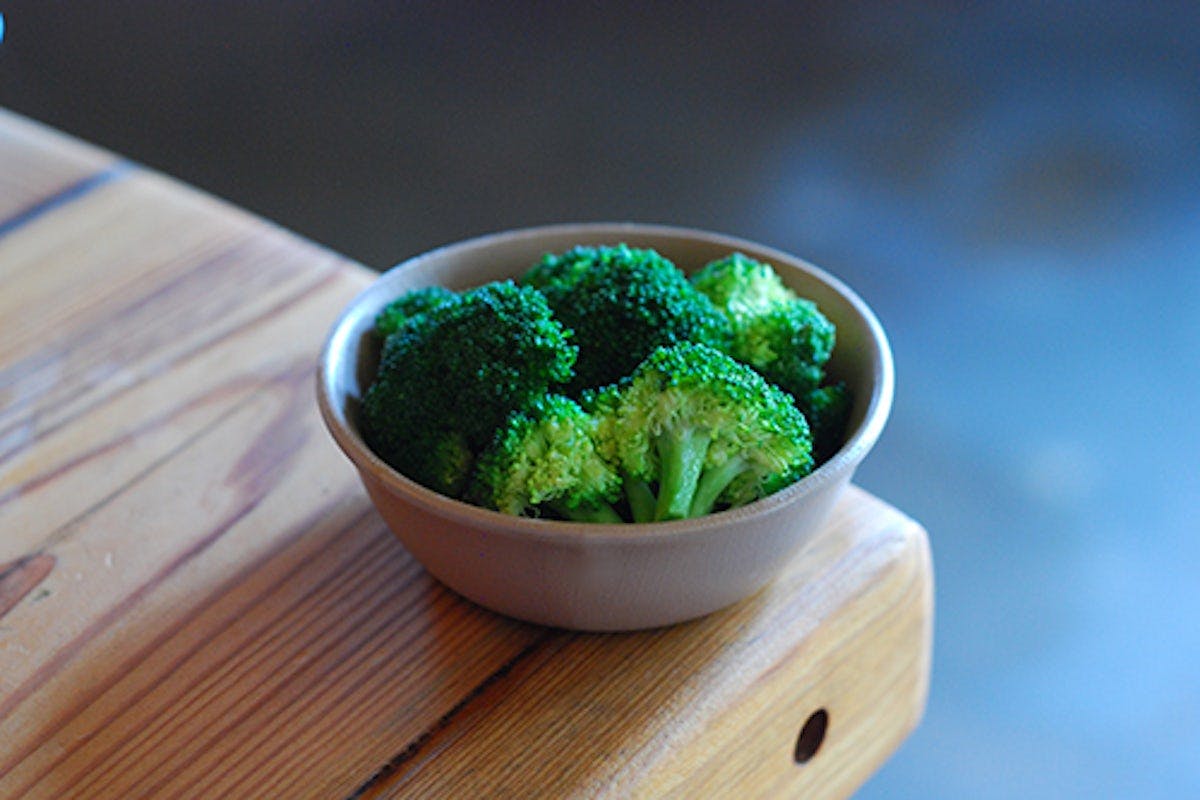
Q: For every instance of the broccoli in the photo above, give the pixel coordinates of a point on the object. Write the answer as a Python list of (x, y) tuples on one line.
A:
[(442, 457), (408, 305), (544, 458), (789, 344), (604, 406), (606, 385), (622, 303), (701, 430), (450, 376), (784, 337), (741, 286), (827, 409)]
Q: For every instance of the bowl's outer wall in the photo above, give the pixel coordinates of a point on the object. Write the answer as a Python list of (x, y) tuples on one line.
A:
[(577, 576), (627, 585)]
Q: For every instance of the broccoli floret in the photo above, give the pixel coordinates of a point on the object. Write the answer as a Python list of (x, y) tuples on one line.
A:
[(408, 305), (544, 459), (789, 344), (449, 377), (622, 303), (442, 458), (604, 406), (742, 286), (827, 409), (782, 335), (701, 430)]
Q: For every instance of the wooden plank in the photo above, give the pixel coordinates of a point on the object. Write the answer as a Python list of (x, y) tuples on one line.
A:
[(160, 436), (90, 303), (40, 168), (713, 708), (97, 394)]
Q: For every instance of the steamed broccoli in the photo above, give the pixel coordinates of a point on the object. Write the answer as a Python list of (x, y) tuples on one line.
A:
[(449, 377), (622, 303), (544, 458), (741, 286), (784, 337), (789, 344), (700, 430), (607, 385), (408, 305), (604, 406), (440, 458), (827, 409)]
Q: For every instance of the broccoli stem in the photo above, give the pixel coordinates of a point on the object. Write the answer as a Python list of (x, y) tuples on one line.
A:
[(591, 512), (681, 455), (713, 482), (641, 499)]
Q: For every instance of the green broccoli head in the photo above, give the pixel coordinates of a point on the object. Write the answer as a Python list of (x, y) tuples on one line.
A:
[(827, 409), (702, 430), (408, 305), (449, 377), (439, 458), (741, 286), (602, 405), (782, 335), (790, 344), (622, 303), (545, 458)]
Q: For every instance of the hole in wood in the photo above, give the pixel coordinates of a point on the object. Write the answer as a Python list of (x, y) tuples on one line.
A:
[(812, 733)]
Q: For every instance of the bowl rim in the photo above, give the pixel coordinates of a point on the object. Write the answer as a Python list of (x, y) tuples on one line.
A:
[(837, 467)]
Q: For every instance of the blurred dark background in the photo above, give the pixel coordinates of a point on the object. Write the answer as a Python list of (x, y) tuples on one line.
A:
[(1012, 186)]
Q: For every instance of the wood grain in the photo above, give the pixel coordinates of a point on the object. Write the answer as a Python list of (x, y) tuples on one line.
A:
[(19, 578), (712, 708), (197, 600), (42, 168)]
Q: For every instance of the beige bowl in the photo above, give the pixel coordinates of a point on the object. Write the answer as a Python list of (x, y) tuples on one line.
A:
[(592, 576)]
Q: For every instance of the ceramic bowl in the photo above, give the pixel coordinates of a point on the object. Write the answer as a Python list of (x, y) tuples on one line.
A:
[(602, 577)]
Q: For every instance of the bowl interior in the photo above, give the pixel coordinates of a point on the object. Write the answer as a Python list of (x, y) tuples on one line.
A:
[(861, 356)]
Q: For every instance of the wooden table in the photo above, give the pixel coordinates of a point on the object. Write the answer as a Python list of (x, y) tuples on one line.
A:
[(197, 599)]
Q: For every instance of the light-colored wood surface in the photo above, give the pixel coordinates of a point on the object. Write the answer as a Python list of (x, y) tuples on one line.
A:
[(197, 600)]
